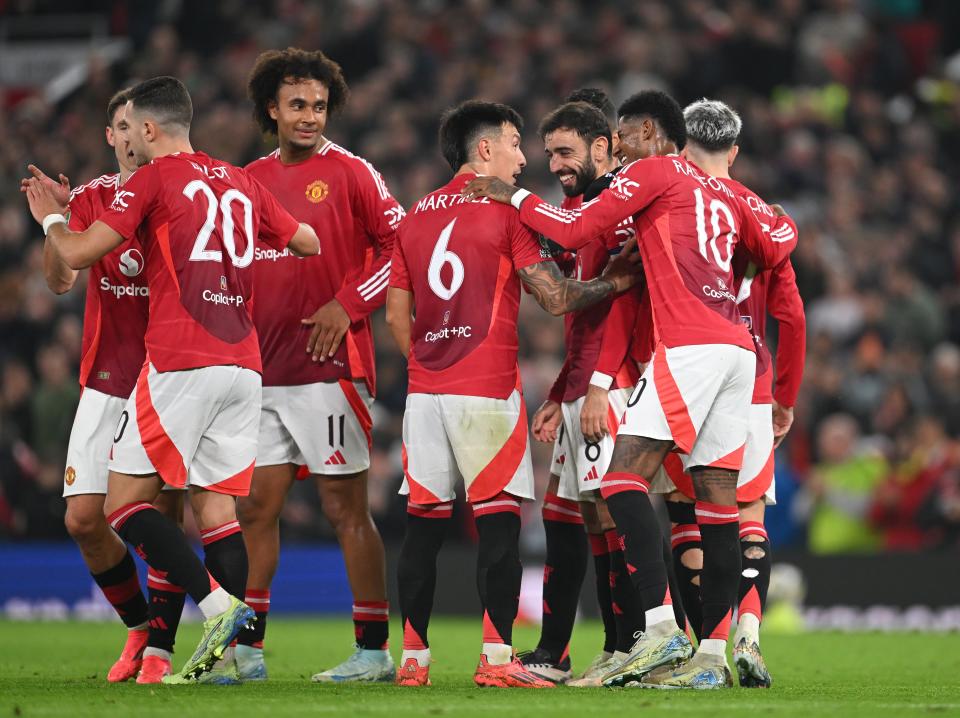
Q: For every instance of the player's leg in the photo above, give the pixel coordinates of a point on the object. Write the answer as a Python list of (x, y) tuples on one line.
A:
[(259, 515), (202, 424), (714, 465), (489, 439), (106, 556), (165, 603), (563, 572), (429, 477), (427, 525), (754, 582), (687, 556), (347, 508), (165, 548)]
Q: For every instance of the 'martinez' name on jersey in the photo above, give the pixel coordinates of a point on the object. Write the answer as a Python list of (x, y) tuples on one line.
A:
[(115, 315), (353, 213), (459, 259), (198, 219)]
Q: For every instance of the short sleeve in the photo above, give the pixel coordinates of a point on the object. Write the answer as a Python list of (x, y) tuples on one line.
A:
[(399, 274), (277, 225), (133, 202), (525, 248), (79, 212)]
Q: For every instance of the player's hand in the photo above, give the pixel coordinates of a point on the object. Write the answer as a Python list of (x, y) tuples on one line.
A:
[(593, 415), (778, 210), (624, 270), (41, 199), (782, 421), (546, 422), (492, 187), (330, 322), (61, 189)]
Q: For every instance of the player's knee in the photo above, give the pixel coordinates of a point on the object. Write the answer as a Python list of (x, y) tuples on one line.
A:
[(754, 553), (85, 525), (346, 513)]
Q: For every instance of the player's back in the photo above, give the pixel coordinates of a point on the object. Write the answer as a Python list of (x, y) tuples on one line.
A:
[(199, 218), (687, 238), (459, 259)]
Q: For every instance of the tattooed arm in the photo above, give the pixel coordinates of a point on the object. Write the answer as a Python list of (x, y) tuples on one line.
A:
[(559, 295)]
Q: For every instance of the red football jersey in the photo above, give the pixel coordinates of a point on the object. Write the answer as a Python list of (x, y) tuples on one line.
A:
[(353, 213), (198, 220), (773, 289), (460, 261), (688, 225), (115, 314)]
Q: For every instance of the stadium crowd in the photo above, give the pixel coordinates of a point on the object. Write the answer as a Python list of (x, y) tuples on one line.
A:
[(851, 120)]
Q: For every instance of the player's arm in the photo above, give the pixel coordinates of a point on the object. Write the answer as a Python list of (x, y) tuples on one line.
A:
[(559, 294), (786, 306), (635, 187), (400, 317), (769, 241), (380, 215), (304, 242), (59, 276), (614, 348), (77, 250), (379, 212), (400, 300)]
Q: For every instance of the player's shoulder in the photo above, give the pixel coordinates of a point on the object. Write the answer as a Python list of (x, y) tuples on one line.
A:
[(356, 166), (263, 163), (102, 184)]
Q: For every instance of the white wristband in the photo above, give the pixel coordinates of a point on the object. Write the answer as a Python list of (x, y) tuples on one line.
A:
[(50, 220), (601, 381), (519, 196)]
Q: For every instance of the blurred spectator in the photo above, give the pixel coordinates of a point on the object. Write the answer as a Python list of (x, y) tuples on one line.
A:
[(851, 112), (836, 495)]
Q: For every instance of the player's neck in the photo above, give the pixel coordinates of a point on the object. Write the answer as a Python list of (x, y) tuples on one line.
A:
[(606, 167), (714, 166), (171, 145), (291, 154)]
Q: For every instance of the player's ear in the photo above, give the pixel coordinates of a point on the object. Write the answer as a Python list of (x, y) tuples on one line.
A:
[(273, 109), (484, 149), (110, 138), (600, 149), (732, 155)]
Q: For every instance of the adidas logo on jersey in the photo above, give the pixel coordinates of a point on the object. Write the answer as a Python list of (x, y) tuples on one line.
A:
[(336, 459), (592, 475)]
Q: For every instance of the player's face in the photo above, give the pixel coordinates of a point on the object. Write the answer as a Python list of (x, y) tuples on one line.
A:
[(118, 139), (301, 112), (637, 139), (134, 140), (506, 159), (570, 161)]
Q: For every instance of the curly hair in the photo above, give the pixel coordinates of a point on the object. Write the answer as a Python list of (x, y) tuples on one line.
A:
[(276, 67), (662, 109)]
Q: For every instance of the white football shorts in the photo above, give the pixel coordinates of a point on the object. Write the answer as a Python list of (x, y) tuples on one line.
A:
[(325, 426), (196, 427), (482, 439)]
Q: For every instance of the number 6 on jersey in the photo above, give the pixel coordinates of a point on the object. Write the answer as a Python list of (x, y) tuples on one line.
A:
[(441, 257)]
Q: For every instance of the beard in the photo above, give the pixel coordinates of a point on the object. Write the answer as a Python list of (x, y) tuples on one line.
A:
[(585, 175)]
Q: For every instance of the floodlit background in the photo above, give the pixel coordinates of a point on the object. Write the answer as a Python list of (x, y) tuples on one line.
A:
[(851, 120)]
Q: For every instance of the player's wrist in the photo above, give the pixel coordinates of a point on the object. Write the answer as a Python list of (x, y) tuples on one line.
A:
[(519, 195), (50, 220), (601, 380)]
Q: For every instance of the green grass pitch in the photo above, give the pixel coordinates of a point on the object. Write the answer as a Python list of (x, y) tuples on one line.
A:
[(57, 669)]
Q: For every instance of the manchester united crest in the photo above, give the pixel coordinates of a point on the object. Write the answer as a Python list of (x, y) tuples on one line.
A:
[(69, 476), (317, 191)]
